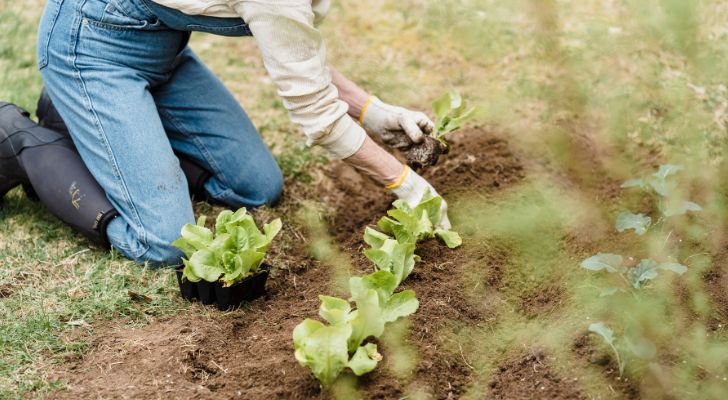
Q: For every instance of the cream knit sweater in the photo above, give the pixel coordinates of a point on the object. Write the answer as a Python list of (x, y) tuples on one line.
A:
[(294, 55)]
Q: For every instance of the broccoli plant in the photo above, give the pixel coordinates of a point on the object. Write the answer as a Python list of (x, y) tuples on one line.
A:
[(629, 345), (634, 277), (669, 204), (451, 111), (410, 225), (329, 349), (232, 253), (662, 184)]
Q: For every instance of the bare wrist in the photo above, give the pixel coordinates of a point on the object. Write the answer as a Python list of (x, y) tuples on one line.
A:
[(350, 93), (377, 163)]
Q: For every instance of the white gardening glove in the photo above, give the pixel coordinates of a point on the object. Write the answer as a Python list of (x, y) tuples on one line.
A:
[(412, 187), (397, 126)]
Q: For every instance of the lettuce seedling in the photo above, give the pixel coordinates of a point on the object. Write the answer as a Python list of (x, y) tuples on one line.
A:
[(451, 111), (232, 253), (329, 349), (638, 346), (393, 305), (392, 256), (323, 349), (410, 225), (636, 276)]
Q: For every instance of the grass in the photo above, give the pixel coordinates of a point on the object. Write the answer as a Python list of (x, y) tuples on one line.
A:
[(643, 79)]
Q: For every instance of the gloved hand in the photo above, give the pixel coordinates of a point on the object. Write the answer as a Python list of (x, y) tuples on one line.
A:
[(398, 127), (412, 187)]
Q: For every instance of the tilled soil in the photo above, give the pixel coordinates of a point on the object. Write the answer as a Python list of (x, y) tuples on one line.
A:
[(584, 348), (529, 377), (248, 353)]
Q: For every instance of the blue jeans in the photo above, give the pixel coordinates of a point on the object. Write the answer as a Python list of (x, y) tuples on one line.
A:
[(131, 92)]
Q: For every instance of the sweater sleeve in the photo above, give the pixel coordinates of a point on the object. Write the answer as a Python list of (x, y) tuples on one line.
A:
[(294, 54)]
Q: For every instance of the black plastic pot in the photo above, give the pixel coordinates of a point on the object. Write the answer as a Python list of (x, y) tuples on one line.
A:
[(226, 298), (206, 291), (187, 289)]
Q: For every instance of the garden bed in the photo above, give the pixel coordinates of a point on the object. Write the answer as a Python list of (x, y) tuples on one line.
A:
[(248, 353)]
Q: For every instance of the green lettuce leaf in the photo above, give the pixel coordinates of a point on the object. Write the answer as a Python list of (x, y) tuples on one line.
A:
[(374, 238), (383, 282), (451, 238), (365, 359), (334, 310), (400, 305), (234, 252), (395, 257), (204, 264), (367, 320), (322, 348)]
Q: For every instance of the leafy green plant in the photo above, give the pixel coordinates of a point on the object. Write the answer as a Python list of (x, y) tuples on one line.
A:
[(232, 253), (637, 346), (329, 349), (637, 222), (451, 111), (670, 203), (390, 255), (410, 225), (661, 184), (636, 276)]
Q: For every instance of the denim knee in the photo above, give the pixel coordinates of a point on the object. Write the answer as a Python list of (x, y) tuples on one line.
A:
[(163, 255), (154, 249), (266, 188), (272, 191)]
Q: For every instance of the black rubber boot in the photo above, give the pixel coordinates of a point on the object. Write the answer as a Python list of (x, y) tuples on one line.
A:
[(47, 160), (196, 175), (48, 115), (18, 132)]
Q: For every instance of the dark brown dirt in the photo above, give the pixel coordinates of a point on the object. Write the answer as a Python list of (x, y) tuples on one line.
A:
[(425, 154), (585, 348), (248, 353), (478, 161), (6, 290), (716, 284), (420, 155), (543, 300), (529, 377)]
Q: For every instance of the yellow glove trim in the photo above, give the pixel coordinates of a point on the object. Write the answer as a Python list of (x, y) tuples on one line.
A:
[(399, 180), (364, 109)]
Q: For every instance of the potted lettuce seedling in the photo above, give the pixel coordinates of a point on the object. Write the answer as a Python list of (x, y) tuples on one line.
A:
[(225, 266)]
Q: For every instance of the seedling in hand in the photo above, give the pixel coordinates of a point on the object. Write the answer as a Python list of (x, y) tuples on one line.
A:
[(451, 111)]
